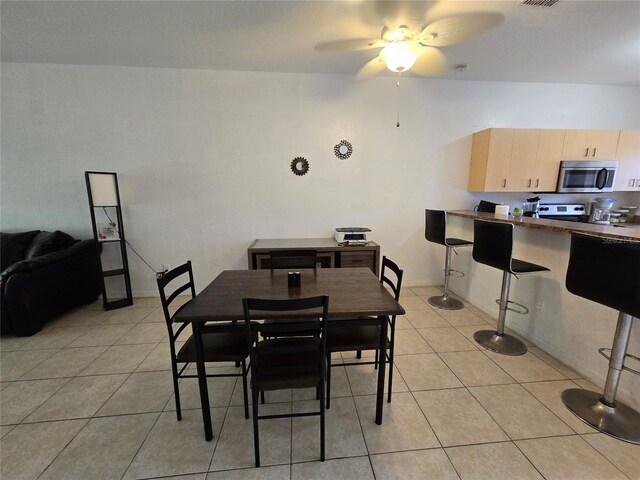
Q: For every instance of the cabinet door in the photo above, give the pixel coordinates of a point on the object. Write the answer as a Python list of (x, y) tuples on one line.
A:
[(628, 157), (548, 160), (498, 159), (589, 144), (523, 159)]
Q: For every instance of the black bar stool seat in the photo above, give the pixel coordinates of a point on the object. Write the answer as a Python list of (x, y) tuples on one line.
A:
[(493, 245), (435, 231), (606, 271)]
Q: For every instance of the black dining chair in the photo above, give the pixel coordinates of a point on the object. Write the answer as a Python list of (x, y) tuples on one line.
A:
[(226, 342), (296, 360), (348, 337)]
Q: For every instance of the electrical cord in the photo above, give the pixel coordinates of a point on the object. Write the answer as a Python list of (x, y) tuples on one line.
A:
[(130, 246)]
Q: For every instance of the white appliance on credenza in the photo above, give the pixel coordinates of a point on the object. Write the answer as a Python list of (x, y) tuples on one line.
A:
[(352, 235)]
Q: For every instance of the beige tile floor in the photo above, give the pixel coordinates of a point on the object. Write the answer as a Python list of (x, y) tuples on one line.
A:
[(91, 397)]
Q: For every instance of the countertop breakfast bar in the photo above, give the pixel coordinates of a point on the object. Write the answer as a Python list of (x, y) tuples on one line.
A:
[(625, 231), (568, 327)]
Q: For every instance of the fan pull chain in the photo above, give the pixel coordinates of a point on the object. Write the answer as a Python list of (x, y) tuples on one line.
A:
[(398, 87)]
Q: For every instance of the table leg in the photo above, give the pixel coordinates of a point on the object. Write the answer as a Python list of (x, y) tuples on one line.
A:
[(384, 321), (202, 381)]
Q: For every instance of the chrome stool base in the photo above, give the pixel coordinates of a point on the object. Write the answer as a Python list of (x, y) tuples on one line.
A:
[(621, 422), (445, 302), (504, 344)]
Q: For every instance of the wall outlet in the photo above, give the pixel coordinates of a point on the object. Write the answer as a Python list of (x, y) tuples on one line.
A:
[(539, 304)]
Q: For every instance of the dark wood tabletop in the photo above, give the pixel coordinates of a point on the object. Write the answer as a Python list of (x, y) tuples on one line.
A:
[(352, 292)]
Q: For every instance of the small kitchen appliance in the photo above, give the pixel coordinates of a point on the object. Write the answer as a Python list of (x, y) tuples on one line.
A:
[(586, 176), (601, 210), (531, 206)]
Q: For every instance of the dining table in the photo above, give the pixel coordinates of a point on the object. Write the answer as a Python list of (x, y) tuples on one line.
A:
[(356, 297)]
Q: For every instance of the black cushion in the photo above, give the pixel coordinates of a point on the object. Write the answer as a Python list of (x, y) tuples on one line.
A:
[(457, 242), (13, 247), (47, 242), (520, 266)]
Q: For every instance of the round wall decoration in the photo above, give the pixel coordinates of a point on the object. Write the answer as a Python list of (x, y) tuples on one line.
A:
[(343, 150), (299, 166)]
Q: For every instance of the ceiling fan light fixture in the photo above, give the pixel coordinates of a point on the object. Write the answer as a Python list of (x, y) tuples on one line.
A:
[(400, 56)]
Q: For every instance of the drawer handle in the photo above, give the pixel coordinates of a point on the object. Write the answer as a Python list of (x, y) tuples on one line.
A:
[(537, 182), (586, 153)]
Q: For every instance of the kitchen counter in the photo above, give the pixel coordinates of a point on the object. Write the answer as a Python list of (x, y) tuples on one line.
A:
[(623, 232)]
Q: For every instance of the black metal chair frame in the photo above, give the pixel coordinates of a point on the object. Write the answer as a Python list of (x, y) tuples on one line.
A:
[(493, 246), (435, 231), (265, 354), (606, 272), (235, 328), (357, 323)]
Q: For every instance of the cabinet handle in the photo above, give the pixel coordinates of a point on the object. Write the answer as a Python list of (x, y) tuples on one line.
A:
[(632, 182), (594, 152), (504, 183), (586, 152), (537, 182), (529, 184), (637, 182)]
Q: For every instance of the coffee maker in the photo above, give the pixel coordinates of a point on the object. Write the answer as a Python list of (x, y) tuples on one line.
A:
[(530, 207), (601, 210)]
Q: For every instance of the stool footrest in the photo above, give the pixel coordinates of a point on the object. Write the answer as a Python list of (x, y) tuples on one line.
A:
[(606, 353), (524, 310)]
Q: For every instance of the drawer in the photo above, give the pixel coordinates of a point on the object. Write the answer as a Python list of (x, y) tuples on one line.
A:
[(357, 259)]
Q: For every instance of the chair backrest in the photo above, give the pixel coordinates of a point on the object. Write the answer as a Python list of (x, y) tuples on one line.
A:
[(384, 278), (285, 354), (288, 259), (605, 271), (434, 226), (183, 270), (493, 244)]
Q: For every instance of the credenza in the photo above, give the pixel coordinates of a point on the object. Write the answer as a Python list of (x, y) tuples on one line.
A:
[(330, 254)]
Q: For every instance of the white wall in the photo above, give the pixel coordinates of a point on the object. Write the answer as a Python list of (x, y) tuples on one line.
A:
[(203, 156)]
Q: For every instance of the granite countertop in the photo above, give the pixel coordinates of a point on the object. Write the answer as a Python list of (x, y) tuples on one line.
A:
[(628, 232)]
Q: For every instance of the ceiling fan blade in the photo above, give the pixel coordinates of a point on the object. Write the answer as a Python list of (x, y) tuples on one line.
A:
[(370, 69), (351, 44), (458, 28), (432, 62)]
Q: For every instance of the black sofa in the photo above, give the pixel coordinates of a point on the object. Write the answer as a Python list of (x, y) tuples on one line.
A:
[(43, 275)]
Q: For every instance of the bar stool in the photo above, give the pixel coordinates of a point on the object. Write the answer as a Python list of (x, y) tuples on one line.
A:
[(605, 271), (434, 231), (493, 244)]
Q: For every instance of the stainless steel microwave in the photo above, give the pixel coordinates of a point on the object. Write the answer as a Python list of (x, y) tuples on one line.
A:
[(586, 177)]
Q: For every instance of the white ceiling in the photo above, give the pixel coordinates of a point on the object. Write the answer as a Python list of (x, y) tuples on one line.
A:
[(575, 41)]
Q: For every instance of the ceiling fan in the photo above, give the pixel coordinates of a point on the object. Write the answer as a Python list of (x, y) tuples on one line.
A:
[(417, 50)]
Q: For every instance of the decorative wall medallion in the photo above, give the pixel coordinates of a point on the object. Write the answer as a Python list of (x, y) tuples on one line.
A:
[(343, 150), (299, 166)]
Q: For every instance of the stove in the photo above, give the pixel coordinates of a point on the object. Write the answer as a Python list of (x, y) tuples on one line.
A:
[(567, 212)]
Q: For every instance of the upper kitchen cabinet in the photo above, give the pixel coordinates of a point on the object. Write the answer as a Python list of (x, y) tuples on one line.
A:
[(590, 144), (515, 160), (490, 159), (628, 157), (548, 160)]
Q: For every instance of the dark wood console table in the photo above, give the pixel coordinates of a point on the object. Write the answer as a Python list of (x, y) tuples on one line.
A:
[(330, 254)]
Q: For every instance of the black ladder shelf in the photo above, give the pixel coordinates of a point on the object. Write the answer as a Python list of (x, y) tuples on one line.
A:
[(102, 188)]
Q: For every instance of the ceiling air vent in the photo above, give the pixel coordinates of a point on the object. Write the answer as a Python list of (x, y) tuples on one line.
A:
[(540, 3)]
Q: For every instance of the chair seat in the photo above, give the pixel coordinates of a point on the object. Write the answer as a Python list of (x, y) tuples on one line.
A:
[(456, 242), (275, 369), (348, 338), (520, 266), (217, 347)]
